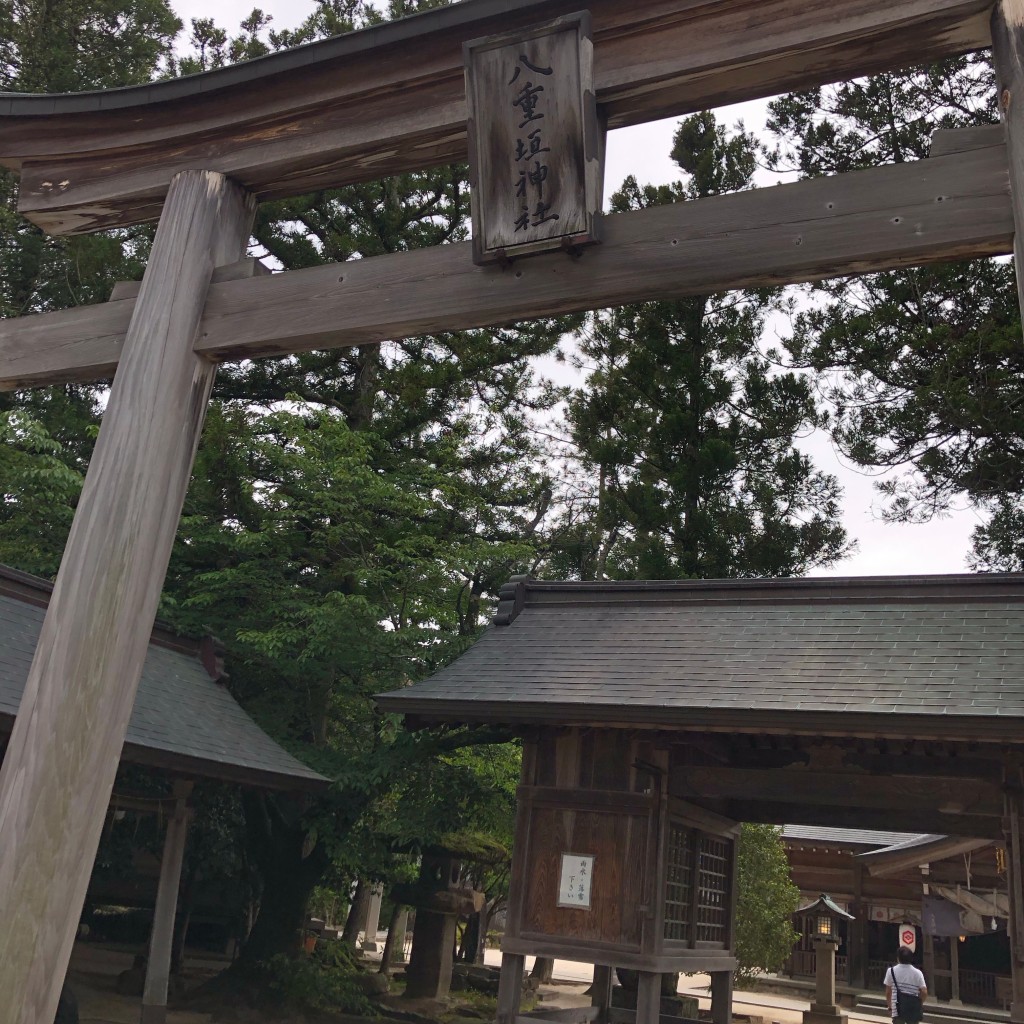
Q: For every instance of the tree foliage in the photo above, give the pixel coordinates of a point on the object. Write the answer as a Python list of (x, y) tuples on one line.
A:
[(766, 902), (923, 367), (686, 428)]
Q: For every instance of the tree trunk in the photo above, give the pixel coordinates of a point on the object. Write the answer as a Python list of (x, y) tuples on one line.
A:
[(483, 923), (392, 940), (277, 847), (356, 913), (470, 939), (543, 969)]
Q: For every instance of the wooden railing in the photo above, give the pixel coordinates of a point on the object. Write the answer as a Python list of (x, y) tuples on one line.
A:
[(876, 974), (983, 989), (978, 988), (803, 964)]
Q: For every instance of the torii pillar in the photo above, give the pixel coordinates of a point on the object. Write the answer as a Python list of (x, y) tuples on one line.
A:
[(63, 754)]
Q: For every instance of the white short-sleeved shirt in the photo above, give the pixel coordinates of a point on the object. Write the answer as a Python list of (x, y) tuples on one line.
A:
[(908, 979)]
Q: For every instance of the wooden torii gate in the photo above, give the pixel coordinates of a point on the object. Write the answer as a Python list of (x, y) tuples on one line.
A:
[(199, 153)]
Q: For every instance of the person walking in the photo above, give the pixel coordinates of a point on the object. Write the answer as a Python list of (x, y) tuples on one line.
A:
[(905, 989)]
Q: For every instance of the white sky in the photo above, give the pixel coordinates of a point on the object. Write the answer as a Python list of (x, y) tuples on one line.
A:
[(884, 548)]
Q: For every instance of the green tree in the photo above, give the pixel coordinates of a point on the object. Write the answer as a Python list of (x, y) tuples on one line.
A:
[(353, 512), (685, 427), (62, 47), (766, 902), (923, 367)]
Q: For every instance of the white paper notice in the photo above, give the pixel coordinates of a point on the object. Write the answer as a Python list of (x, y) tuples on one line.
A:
[(574, 881)]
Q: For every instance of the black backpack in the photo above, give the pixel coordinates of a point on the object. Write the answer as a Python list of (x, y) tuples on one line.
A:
[(908, 1007)]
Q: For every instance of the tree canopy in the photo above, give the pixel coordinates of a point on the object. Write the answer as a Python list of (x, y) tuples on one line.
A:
[(686, 433), (922, 368)]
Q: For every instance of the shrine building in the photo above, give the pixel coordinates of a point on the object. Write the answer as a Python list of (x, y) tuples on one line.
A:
[(656, 716)]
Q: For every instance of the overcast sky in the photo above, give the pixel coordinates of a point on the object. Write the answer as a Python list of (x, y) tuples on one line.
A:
[(884, 548)]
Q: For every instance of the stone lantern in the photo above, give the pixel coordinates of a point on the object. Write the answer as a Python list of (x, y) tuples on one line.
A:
[(827, 914)]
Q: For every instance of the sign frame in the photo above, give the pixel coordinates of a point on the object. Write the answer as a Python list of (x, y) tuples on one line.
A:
[(567, 870), (581, 169)]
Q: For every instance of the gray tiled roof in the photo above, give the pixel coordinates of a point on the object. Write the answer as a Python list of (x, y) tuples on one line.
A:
[(851, 836), (182, 719), (938, 656)]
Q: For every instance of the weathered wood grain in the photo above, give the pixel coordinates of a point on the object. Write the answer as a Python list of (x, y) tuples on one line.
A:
[(691, 961), (63, 753), (161, 940), (392, 99), (1008, 58), (952, 207), (510, 987), (533, 140), (911, 819), (72, 348), (839, 789)]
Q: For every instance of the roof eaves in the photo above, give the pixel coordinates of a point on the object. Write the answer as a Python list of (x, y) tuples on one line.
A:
[(753, 720)]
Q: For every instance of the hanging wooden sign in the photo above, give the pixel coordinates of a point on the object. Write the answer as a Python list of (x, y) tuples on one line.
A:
[(533, 140)]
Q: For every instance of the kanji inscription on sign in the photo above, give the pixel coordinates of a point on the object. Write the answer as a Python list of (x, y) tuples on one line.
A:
[(574, 880), (533, 140)]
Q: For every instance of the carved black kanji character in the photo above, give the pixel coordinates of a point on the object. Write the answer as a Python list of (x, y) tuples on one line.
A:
[(526, 99), (524, 151), (541, 215), (538, 176), (525, 62)]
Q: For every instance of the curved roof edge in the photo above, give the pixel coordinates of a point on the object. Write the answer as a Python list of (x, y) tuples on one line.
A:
[(323, 51)]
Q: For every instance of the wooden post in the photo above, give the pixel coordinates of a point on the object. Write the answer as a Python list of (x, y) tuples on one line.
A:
[(158, 969), (648, 997), (1008, 58), (954, 967), (66, 744), (1015, 886), (857, 934), (510, 987), (601, 992), (721, 997)]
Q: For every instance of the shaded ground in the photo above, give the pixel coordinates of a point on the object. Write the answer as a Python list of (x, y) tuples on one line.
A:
[(94, 978)]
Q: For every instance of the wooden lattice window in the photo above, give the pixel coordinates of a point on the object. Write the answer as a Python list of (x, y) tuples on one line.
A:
[(713, 889), (679, 883)]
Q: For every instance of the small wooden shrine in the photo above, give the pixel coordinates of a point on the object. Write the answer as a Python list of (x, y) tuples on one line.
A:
[(656, 715), (611, 869)]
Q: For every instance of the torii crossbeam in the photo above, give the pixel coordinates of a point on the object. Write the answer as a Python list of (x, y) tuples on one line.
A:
[(198, 153)]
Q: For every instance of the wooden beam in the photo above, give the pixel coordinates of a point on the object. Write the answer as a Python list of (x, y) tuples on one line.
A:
[(953, 796), (158, 966), (63, 754), (882, 864), (777, 812), (1008, 58), (392, 99), (952, 207), (89, 349)]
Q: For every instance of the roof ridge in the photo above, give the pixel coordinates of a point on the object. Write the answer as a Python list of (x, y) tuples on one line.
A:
[(953, 586)]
